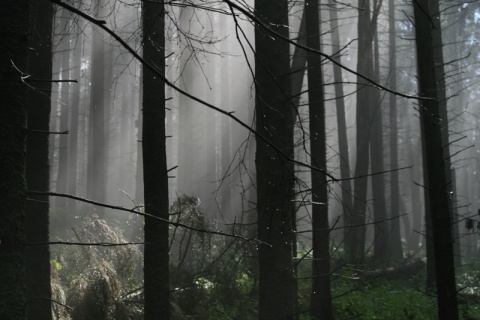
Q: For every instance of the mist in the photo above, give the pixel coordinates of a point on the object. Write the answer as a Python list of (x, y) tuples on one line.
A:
[(211, 55)]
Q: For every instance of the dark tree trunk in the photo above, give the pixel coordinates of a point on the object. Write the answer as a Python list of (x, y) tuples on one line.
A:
[(355, 237), (298, 67), (434, 161), (275, 178), (299, 61), (155, 177), (321, 300), (442, 100), (37, 258), (13, 54), (430, 281)]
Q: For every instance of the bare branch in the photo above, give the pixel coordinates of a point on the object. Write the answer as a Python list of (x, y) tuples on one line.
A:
[(144, 214), (101, 24), (324, 55)]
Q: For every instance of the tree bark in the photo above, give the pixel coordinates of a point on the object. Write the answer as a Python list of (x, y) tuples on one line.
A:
[(275, 180), (155, 177), (438, 184), (14, 23), (37, 258), (442, 100), (355, 236), (321, 300)]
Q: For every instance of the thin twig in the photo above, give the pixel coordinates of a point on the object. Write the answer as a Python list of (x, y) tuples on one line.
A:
[(101, 24)]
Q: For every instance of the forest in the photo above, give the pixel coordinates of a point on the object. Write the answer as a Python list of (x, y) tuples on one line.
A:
[(239, 159)]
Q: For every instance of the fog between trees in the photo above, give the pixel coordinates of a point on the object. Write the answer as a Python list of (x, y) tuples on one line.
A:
[(340, 150)]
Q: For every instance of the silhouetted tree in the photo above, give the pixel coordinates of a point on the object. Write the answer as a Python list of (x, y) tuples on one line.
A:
[(155, 176), (37, 258), (321, 301), (275, 180), (14, 25), (367, 23), (434, 160)]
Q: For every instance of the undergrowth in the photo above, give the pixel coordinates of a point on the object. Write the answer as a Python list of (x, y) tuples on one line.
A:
[(215, 278)]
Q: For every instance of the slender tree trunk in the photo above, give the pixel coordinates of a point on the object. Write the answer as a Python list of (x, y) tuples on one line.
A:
[(321, 300), (355, 238), (74, 116), (211, 139), (298, 67), (417, 213), (188, 144), (96, 180), (63, 161), (299, 61), (226, 153), (13, 54), (395, 238), (54, 120), (274, 175), (381, 234), (438, 184), (37, 258), (155, 177), (429, 245), (442, 99), (139, 168), (341, 123)]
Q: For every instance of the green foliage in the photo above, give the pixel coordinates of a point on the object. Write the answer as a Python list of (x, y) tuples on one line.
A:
[(57, 265), (214, 277), (382, 301)]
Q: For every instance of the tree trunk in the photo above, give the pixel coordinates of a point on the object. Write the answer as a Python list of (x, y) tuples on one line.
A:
[(74, 116), (63, 147), (381, 234), (96, 187), (139, 196), (13, 54), (355, 238), (275, 178), (341, 123), (442, 100), (321, 300), (395, 237), (226, 153), (155, 177), (37, 258), (438, 184)]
